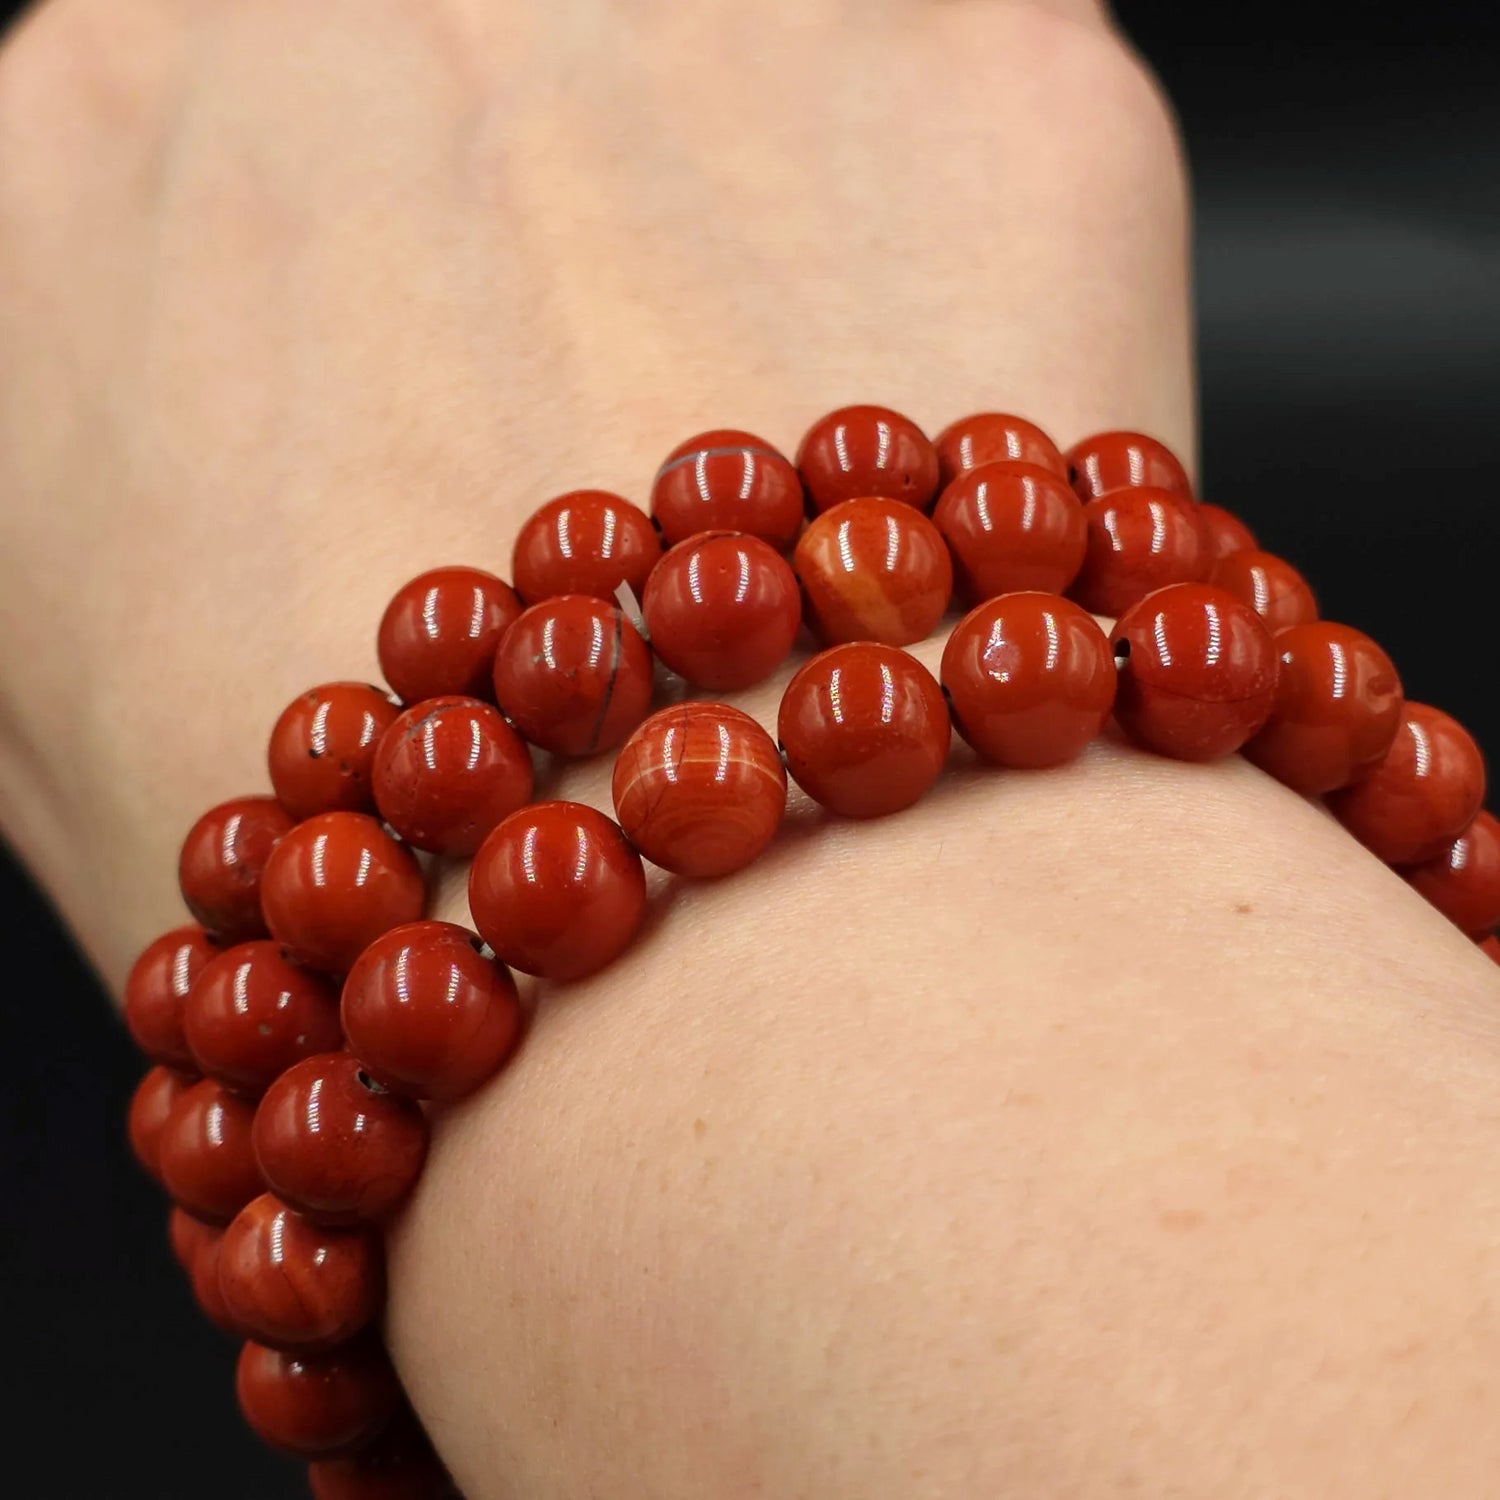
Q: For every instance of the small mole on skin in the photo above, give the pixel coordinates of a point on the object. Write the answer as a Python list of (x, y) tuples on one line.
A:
[(700, 1129), (1243, 908)]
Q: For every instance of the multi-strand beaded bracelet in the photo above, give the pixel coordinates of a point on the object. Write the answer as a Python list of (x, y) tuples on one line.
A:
[(285, 1116)]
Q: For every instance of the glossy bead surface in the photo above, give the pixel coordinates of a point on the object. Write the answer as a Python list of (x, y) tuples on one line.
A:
[(204, 1152), (1223, 532), (864, 729), (1011, 528), (294, 1284), (334, 1147), (573, 675), (867, 450), (1139, 541), (1197, 672), (1425, 790), (313, 1405), (585, 542), (221, 864), (185, 1234), (428, 1014), (557, 891), (252, 1013), (874, 570), (150, 1105), (334, 884), (323, 748), (1270, 585), (727, 480), (699, 788), (156, 991), (447, 771), (439, 632), (1337, 710), (723, 610), (1463, 882), (1029, 678), (995, 438), (399, 1464), (1111, 461)]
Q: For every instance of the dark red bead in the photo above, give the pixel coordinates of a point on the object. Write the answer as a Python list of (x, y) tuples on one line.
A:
[(428, 1014), (1111, 461), (186, 1234), (726, 480), (1030, 680), (1197, 672), (335, 1146), (874, 570), (1490, 947), (334, 884), (1463, 882), (585, 542), (253, 1013), (1270, 585), (400, 1464), (150, 1105), (723, 610), (294, 1284), (204, 1152), (1139, 541), (1223, 532), (1011, 528), (157, 989), (557, 891), (220, 867), (439, 633), (995, 438), (573, 675), (203, 1276), (323, 748), (867, 450), (316, 1405), (699, 788), (447, 771), (864, 729), (1424, 792)]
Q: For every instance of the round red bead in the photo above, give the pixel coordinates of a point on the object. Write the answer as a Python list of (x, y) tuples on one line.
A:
[(398, 1465), (1197, 672), (1223, 532), (186, 1234), (157, 989), (150, 1105), (723, 610), (995, 438), (334, 1145), (1139, 540), (428, 1014), (1338, 707), (334, 884), (867, 450), (447, 771), (323, 748), (204, 1152), (1490, 947), (557, 891), (874, 570), (203, 1276), (727, 480), (699, 788), (1270, 585), (1011, 528), (1426, 789), (1111, 461), (585, 542), (221, 863), (1463, 882), (573, 675), (438, 634), (1030, 679), (314, 1405), (864, 729)]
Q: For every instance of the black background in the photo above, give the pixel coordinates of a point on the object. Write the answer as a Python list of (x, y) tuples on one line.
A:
[(1349, 305)]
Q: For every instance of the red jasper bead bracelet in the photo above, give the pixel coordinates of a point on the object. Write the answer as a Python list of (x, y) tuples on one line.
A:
[(303, 1027)]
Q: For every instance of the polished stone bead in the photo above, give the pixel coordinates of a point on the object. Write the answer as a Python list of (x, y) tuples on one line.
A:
[(995, 438), (322, 749), (204, 1152), (573, 675), (400, 1464), (727, 480), (867, 450), (1490, 947), (150, 1105), (438, 634), (185, 1234), (557, 891), (221, 863), (334, 884), (156, 991), (447, 771), (1197, 672), (1270, 585), (1426, 789), (1029, 678), (1223, 532), (317, 1405), (1111, 461), (1139, 540), (874, 570), (294, 1284), (203, 1277), (1011, 528), (335, 1145), (428, 1014), (585, 542), (864, 729), (1463, 882), (699, 788), (1338, 707), (723, 610)]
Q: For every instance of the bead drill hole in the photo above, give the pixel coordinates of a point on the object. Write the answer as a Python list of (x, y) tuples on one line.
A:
[(366, 1082)]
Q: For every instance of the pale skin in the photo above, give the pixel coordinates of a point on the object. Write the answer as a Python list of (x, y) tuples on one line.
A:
[(1120, 1130)]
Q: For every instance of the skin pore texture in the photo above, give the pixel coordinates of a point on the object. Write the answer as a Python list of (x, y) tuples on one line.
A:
[(1119, 1130)]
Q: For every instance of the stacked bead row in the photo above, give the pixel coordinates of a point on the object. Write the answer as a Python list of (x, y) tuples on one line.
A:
[(290, 1110)]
